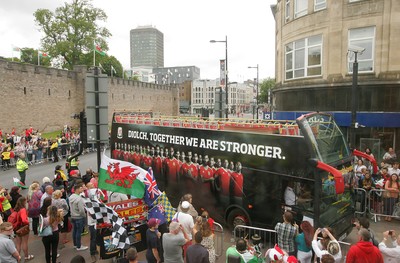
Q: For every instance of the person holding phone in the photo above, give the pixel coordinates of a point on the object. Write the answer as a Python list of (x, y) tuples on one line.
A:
[(390, 247), (332, 248)]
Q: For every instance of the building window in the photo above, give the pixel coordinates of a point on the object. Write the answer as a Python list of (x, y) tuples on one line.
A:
[(303, 58), (363, 38), (300, 8), (319, 5), (287, 10)]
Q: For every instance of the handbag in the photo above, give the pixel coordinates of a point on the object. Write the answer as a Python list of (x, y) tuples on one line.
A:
[(22, 231), (44, 231), (47, 231)]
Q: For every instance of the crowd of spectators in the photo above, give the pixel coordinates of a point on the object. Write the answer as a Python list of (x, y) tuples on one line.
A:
[(36, 149), (385, 184)]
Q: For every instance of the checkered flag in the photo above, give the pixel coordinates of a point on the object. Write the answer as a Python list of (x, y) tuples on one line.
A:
[(104, 214)]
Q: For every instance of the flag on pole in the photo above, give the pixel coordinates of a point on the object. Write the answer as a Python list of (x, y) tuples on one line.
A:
[(99, 50), (43, 54), (122, 177), (16, 49), (151, 188), (166, 206), (113, 69), (18, 183)]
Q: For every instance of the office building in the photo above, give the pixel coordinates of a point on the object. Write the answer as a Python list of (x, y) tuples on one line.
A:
[(316, 44), (147, 47)]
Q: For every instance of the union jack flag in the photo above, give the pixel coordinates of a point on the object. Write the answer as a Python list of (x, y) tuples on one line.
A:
[(151, 188)]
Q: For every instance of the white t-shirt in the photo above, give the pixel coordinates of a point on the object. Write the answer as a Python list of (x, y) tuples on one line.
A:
[(290, 196), (318, 252), (186, 221), (393, 171)]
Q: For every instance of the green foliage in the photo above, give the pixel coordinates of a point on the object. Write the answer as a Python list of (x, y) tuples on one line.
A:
[(265, 86), (30, 56), (69, 32), (106, 62)]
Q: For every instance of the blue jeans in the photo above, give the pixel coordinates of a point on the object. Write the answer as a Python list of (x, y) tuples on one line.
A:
[(93, 247), (77, 230)]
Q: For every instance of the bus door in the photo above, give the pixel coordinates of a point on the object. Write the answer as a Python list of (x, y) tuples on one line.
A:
[(298, 197)]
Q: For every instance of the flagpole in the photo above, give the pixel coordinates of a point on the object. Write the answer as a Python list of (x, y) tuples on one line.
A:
[(94, 53)]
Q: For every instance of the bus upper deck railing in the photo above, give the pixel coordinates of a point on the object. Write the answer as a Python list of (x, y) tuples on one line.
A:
[(265, 126)]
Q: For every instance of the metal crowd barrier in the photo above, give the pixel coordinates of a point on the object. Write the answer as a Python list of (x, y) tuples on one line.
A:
[(381, 206), (269, 238), (46, 155), (361, 201), (219, 239)]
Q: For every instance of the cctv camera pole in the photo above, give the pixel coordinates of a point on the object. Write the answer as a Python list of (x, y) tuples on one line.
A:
[(354, 102)]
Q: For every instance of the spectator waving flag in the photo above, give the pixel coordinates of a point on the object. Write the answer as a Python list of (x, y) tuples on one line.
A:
[(122, 177), (104, 214)]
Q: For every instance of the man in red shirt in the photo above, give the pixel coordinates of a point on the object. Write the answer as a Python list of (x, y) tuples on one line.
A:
[(364, 251)]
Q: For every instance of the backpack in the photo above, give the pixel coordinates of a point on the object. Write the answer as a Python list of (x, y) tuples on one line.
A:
[(13, 219)]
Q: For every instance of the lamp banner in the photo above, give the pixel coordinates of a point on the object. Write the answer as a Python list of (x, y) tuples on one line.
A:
[(222, 73)]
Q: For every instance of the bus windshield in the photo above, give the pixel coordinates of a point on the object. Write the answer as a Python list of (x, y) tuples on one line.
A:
[(325, 136)]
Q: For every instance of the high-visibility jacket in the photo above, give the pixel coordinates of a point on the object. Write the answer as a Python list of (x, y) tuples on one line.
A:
[(6, 155), (74, 162), (21, 165), (53, 146)]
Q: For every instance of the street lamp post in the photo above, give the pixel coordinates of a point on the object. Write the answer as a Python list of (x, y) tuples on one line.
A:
[(226, 72), (354, 97), (256, 67)]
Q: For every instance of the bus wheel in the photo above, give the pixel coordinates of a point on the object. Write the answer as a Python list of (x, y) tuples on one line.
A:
[(237, 217)]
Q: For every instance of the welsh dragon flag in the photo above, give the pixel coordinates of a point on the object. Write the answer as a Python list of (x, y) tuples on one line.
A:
[(18, 183), (122, 177)]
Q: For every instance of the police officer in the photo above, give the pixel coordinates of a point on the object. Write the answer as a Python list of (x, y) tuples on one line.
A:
[(22, 166)]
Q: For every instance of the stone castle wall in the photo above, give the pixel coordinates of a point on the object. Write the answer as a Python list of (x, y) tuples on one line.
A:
[(46, 98)]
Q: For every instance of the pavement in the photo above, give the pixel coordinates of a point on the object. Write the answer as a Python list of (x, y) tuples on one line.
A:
[(37, 249)]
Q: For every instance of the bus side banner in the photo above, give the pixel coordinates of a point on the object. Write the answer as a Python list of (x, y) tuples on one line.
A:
[(255, 151)]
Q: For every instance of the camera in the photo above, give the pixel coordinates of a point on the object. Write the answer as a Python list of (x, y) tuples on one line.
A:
[(390, 232)]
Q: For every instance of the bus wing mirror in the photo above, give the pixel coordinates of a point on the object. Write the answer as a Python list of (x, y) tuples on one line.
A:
[(337, 175)]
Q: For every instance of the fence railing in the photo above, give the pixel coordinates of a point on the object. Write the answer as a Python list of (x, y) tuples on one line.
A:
[(219, 239), (269, 238), (377, 203)]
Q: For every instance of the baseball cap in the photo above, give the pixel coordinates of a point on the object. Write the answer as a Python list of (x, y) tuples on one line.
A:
[(153, 222), (185, 206)]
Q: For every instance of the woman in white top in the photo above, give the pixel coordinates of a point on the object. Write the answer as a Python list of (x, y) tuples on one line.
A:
[(333, 247)]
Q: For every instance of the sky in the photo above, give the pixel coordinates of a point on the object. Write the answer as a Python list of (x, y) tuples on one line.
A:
[(188, 26)]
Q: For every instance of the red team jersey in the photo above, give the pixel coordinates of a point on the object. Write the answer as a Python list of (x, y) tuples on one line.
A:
[(157, 165), (238, 184), (225, 179), (172, 169), (137, 158)]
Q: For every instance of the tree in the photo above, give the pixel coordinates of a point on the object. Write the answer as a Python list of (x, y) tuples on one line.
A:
[(107, 62), (30, 56), (70, 32), (265, 86)]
